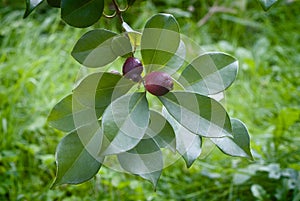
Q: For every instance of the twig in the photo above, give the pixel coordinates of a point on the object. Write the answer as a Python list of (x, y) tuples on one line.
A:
[(213, 10), (118, 11)]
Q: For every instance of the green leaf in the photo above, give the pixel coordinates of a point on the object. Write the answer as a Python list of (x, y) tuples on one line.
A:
[(161, 131), (30, 6), (145, 159), (124, 123), (160, 41), (98, 90), (76, 157), (130, 2), (81, 13), (188, 144), (210, 73), (134, 36), (63, 114), (54, 3), (93, 49), (199, 114), (177, 86), (267, 4), (121, 45), (88, 101), (176, 61), (239, 145)]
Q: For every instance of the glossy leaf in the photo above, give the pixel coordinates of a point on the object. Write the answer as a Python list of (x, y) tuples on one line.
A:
[(63, 114), (81, 13), (75, 162), (160, 41), (210, 73), (239, 145), (54, 3), (124, 123), (177, 86), (88, 101), (176, 61), (267, 4), (188, 144), (30, 6), (98, 90), (134, 36), (161, 131), (121, 45), (145, 159), (93, 49), (199, 114)]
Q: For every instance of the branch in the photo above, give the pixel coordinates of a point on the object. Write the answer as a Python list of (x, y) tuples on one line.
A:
[(213, 10), (118, 11)]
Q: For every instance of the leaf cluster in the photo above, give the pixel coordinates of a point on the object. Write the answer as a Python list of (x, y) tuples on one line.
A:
[(108, 115)]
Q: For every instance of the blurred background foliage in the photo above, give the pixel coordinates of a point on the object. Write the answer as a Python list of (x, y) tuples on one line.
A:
[(36, 70)]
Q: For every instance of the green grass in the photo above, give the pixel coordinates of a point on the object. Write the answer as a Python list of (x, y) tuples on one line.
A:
[(36, 70)]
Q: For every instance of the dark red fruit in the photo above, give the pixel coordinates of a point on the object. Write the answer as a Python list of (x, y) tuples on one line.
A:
[(132, 69), (158, 83)]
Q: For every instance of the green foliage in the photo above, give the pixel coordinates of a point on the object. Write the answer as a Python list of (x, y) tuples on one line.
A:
[(210, 73), (160, 41), (264, 96), (199, 114), (61, 116), (91, 49), (267, 4), (127, 130), (124, 123), (54, 3), (72, 159), (239, 145), (81, 13), (31, 5)]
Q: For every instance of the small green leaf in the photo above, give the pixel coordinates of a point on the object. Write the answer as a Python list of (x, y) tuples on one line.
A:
[(30, 6), (267, 4), (239, 145), (160, 41), (98, 90), (210, 73), (199, 114), (145, 159), (161, 131), (188, 144), (76, 163), (63, 114), (54, 3), (124, 123), (81, 13), (93, 49)]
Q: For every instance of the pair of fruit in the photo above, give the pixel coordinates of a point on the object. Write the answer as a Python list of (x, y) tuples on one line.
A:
[(157, 83)]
